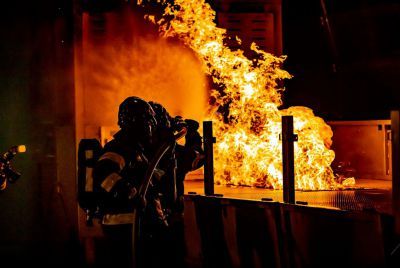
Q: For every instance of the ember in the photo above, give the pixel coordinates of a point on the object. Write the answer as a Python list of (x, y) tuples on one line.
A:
[(249, 151)]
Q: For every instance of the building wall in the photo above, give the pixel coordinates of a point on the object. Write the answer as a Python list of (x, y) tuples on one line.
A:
[(364, 83), (258, 21), (121, 55), (38, 212)]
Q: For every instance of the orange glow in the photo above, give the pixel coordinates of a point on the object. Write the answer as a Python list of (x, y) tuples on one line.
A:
[(248, 150), (349, 182), (21, 149), (126, 57)]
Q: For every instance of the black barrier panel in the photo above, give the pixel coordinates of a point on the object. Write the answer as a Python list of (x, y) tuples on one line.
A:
[(209, 215), (325, 238), (193, 254), (233, 233), (258, 234)]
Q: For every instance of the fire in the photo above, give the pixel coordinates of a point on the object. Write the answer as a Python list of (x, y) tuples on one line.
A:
[(246, 114)]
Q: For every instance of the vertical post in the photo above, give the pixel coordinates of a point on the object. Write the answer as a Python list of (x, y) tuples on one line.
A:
[(209, 141), (395, 131), (288, 139)]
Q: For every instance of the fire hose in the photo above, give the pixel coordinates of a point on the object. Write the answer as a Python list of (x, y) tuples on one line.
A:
[(141, 196)]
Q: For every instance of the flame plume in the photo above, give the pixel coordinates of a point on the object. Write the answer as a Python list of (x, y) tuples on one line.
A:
[(248, 150)]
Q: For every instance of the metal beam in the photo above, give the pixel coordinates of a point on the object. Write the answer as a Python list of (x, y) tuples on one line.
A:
[(209, 141), (395, 131), (288, 139)]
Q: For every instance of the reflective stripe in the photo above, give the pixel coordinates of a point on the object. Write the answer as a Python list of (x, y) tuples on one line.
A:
[(3, 185), (89, 180), (114, 219), (117, 158), (142, 158), (110, 181), (88, 154)]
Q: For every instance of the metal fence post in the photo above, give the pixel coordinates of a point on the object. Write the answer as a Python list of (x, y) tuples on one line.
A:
[(209, 141), (288, 139), (395, 132)]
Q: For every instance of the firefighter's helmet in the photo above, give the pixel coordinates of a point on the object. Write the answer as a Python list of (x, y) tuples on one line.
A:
[(136, 115)]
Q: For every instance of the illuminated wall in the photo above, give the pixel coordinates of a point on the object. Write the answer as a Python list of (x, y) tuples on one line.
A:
[(121, 56)]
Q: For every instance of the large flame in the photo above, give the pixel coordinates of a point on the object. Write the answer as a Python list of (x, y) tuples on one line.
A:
[(246, 116)]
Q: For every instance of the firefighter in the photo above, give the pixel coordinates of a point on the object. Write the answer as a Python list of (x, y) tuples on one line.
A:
[(177, 163), (7, 173), (118, 174), (190, 156), (187, 157)]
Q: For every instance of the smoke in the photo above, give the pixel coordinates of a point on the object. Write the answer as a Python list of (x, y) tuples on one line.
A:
[(149, 67)]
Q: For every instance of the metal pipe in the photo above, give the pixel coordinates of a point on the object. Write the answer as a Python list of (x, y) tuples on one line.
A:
[(395, 133), (209, 141), (288, 139), (331, 40)]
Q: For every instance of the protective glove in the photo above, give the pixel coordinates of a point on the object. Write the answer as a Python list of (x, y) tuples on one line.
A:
[(178, 123), (124, 190)]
